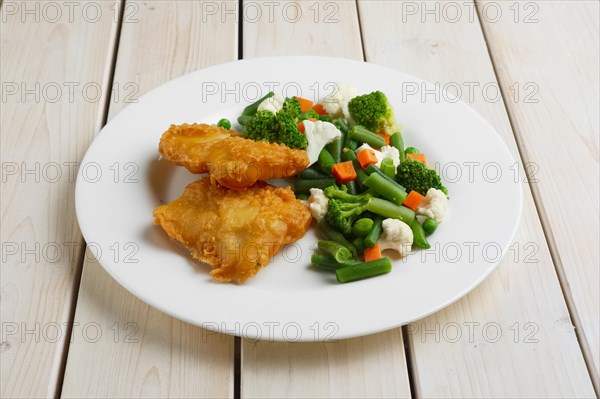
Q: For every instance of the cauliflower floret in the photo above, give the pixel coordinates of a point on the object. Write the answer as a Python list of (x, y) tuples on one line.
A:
[(396, 235), (387, 151), (272, 104), (390, 152), (318, 203), (318, 134), (434, 204), (336, 104)]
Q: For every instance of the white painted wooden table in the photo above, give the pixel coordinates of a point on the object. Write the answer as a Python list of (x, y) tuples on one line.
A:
[(530, 68)]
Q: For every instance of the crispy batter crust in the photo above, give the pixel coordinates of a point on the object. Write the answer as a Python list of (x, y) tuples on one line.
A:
[(233, 161), (236, 232)]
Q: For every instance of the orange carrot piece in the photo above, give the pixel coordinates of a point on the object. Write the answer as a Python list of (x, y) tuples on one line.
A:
[(319, 109), (312, 119), (366, 158), (372, 253), (305, 104), (417, 157), (301, 127), (413, 199), (385, 137), (343, 172)]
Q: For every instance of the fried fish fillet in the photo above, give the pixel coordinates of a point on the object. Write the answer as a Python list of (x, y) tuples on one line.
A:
[(236, 232), (231, 160)]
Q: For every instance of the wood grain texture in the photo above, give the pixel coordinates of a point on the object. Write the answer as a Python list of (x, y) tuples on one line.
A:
[(553, 47), (457, 352), (328, 28), (47, 122), (143, 352), (371, 366)]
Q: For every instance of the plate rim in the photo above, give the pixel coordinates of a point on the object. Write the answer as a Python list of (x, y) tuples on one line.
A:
[(357, 332)]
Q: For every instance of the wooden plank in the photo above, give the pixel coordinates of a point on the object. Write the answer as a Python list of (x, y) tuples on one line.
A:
[(553, 47), (49, 57), (371, 366), (456, 352), (143, 352), (328, 28)]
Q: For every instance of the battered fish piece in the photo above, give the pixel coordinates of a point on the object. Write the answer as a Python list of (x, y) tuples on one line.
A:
[(233, 161), (236, 232)]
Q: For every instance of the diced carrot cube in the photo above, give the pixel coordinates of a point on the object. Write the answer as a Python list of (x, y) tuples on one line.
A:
[(366, 157), (413, 200), (319, 109), (372, 253), (305, 104), (343, 172)]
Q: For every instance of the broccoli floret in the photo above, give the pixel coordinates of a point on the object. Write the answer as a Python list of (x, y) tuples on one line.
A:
[(262, 126), (374, 112), (414, 175), (288, 133), (277, 128), (342, 215), (342, 193), (291, 106), (344, 208)]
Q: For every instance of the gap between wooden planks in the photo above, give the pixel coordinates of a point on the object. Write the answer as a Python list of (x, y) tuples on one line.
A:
[(519, 293), (546, 56), (374, 365), (47, 125), (155, 355)]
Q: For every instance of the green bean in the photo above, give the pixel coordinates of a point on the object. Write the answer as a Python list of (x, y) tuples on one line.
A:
[(251, 109), (326, 118), (324, 262), (351, 186), (359, 133), (362, 227), (390, 210), (397, 141), (388, 167), (386, 189), (412, 150), (311, 113), (419, 239), (302, 197), (359, 243), (348, 155), (341, 124), (373, 235), (352, 145), (313, 174), (224, 123), (363, 270), (329, 233), (335, 148), (374, 169), (302, 186), (334, 249), (348, 142), (243, 119), (429, 225), (326, 161)]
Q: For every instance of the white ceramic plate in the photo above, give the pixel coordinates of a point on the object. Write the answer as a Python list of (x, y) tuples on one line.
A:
[(121, 180)]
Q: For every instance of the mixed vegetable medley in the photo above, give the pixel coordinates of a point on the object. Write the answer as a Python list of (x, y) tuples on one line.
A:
[(367, 192)]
